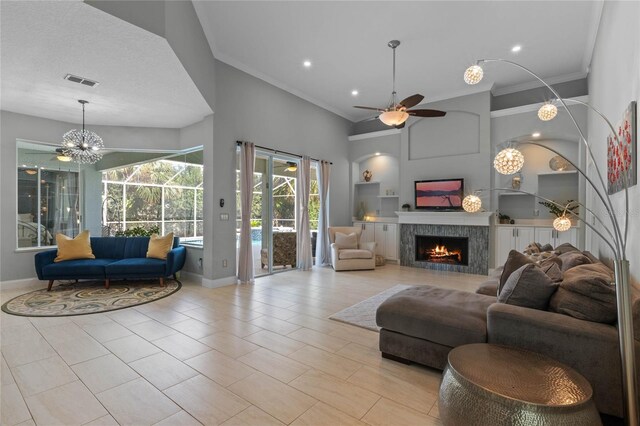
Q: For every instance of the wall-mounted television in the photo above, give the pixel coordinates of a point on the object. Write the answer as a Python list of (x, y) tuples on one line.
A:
[(440, 194)]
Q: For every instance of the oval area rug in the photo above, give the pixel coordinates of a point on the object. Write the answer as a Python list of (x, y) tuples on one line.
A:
[(88, 297)]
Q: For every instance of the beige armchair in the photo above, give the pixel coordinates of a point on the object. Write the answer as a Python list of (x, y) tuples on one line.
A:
[(343, 259)]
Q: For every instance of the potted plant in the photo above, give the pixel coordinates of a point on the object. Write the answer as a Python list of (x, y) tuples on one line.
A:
[(572, 207), (504, 219), (406, 207)]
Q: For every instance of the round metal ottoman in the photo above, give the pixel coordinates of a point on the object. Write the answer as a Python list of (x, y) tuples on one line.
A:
[(486, 384)]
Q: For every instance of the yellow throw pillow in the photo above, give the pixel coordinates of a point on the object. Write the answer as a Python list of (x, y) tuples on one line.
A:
[(74, 248), (160, 246)]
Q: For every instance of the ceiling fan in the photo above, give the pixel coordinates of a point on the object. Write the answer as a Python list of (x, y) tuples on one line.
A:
[(58, 154), (396, 114), (289, 166)]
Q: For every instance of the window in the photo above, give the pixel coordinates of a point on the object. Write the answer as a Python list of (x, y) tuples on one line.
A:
[(165, 194), (48, 196)]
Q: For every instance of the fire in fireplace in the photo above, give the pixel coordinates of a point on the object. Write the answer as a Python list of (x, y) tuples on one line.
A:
[(438, 249)]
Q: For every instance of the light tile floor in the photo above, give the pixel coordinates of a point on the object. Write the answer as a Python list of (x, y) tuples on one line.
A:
[(261, 354)]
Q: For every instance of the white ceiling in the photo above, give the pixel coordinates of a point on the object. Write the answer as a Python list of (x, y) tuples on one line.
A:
[(142, 83), (347, 44)]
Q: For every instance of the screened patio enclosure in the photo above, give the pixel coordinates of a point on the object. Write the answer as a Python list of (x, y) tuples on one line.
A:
[(166, 193)]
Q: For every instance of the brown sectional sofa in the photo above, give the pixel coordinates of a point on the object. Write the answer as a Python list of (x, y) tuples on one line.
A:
[(422, 324)]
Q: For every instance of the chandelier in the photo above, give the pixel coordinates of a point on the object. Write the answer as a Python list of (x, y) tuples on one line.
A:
[(82, 146)]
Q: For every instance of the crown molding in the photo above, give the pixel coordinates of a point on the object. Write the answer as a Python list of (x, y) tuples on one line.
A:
[(529, 108), (467, 91), (499, 91), (377, 134)]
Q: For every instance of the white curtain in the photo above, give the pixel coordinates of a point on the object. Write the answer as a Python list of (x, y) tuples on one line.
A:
[(73, 191), (245, 257), (305, 261), (323, 247)]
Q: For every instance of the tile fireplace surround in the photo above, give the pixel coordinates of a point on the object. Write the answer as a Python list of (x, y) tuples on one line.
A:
[(474, 226)]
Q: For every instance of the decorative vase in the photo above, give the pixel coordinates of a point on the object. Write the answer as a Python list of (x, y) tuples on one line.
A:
[(515, 182), (361, 211), (367, 175)]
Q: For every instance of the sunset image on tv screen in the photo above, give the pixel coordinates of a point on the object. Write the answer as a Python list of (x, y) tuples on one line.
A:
[(442, 194)]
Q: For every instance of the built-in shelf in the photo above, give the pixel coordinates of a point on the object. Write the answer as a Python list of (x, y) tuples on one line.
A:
[(367, 183), (514, 193), (388, 196), (564, 172)]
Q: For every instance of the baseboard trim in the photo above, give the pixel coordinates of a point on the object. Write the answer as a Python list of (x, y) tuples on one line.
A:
[(220, 282), (191, 277), (25, 283)]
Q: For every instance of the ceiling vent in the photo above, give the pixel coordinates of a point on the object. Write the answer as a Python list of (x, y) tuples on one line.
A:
[(81, 80)]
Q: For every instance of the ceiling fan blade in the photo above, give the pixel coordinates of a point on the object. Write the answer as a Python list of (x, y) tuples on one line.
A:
[(411, 100), (426, 113), (371, 108)]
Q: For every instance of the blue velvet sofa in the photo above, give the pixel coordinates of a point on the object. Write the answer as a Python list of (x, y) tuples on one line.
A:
[(116, 258)]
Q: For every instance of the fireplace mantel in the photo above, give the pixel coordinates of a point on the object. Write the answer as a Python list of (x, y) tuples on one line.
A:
[(445, 218)]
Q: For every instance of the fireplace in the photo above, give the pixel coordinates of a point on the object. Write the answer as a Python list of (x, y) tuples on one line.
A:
[(442, 250), (454, 226)]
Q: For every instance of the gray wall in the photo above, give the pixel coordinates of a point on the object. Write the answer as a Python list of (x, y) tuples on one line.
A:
[(614, 81), (559, 134), (18, 265), (455, 146), (568, 89), (178, 23), (267, 116), (253, 110)]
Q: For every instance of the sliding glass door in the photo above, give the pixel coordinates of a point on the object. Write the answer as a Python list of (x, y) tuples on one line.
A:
[(273, 213)]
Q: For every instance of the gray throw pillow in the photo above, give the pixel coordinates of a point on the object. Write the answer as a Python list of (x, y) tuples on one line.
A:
[(586, 293), (553, 271), (552, 266), (514, 261), (591, 257), (546, 247), (582, 307), (572, 259), (564, 248), (528, 287)]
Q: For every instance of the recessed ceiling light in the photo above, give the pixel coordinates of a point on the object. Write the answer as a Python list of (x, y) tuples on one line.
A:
[(307, 64), (536, 134), (516, 48), (354, 93), (377, 153)]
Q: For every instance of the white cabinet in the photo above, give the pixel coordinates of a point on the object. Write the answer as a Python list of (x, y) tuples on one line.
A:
[(518, 238), (385, 235), (512, 238), (551, 236), (368, 231)]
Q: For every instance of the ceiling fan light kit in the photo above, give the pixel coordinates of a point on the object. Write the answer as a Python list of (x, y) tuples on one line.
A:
[(291, 166), (394, 118), (396, 114), (63, 158)]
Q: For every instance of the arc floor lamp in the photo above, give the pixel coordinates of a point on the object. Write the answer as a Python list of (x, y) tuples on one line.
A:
[(510, 161)]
